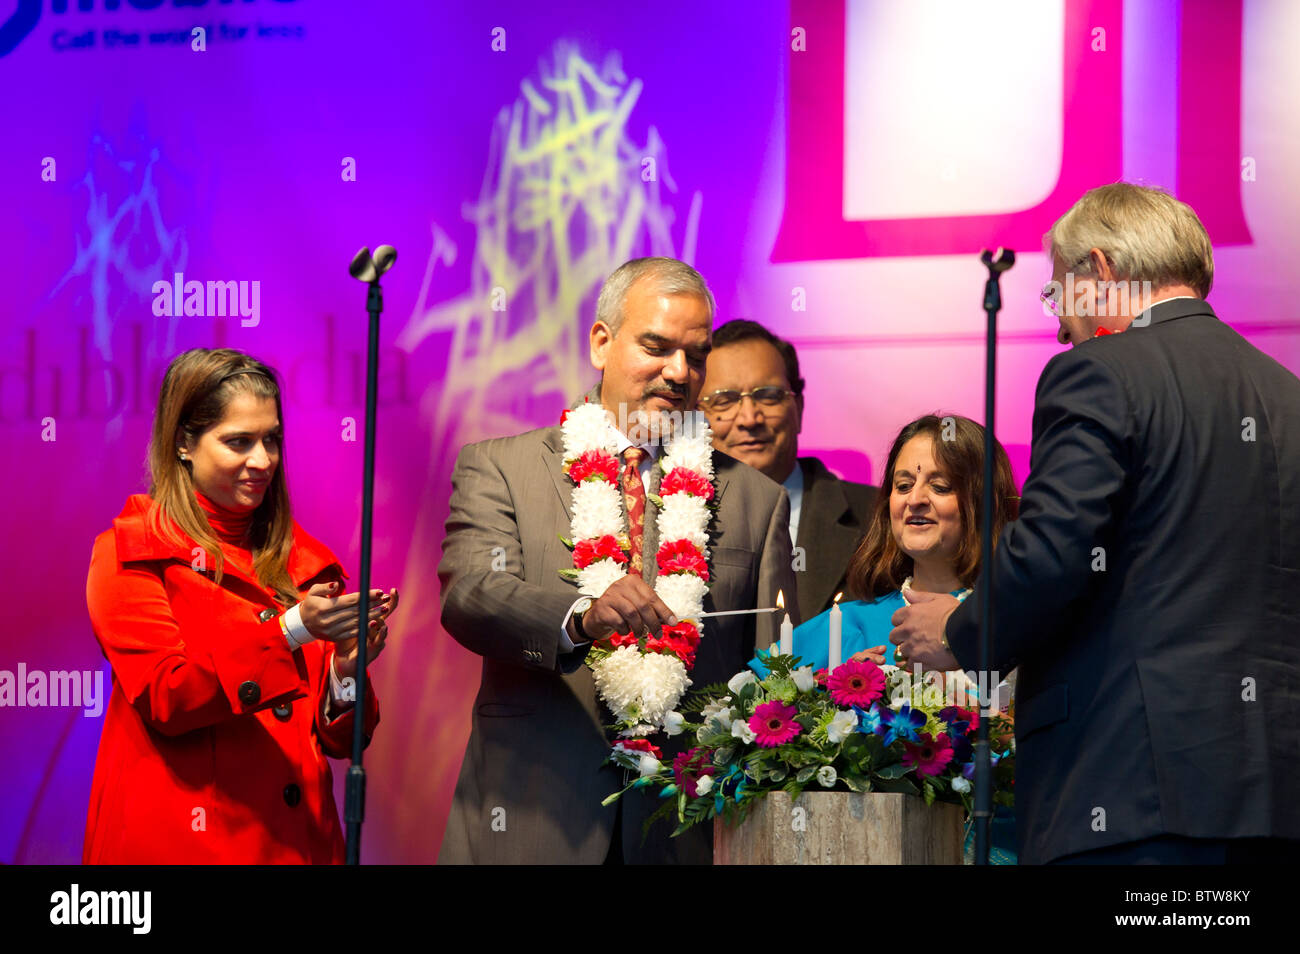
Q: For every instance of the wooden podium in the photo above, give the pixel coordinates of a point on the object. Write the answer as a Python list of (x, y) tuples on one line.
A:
[(843, 828)]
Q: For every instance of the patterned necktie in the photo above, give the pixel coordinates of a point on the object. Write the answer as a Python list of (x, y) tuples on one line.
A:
[(634, 499)]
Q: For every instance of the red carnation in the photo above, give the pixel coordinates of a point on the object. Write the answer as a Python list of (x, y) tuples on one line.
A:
[(640, 745), (681, 640), (587, 552), (679, 480), (620, 639), (682, 556), (593, 463)]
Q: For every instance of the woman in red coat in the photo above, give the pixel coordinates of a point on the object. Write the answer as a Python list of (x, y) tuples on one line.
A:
[(232, 643)]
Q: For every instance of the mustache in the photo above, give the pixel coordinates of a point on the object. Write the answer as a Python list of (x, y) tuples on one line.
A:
[(674, 390)]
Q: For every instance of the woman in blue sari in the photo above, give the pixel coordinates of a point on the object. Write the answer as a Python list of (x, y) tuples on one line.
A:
[(924, 535)]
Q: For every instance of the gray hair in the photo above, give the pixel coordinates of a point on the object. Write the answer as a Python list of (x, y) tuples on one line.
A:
[(1145, 233), (669, 277)]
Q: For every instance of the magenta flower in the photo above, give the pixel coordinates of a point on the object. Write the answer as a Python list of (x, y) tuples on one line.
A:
[(857, 683), (928, 756), (773, 723)]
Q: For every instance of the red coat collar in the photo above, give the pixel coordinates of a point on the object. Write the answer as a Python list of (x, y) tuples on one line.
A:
[(136, 541)]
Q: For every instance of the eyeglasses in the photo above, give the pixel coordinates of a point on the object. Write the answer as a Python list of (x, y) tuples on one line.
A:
[(727, 401), (1050, 296)]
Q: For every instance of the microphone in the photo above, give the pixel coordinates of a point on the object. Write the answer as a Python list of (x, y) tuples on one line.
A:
[(366, 268)]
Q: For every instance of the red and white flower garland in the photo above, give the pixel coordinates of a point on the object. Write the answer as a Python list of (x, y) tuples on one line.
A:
[(641, 680)]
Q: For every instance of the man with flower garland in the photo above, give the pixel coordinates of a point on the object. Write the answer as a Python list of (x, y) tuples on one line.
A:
[(627, 500)]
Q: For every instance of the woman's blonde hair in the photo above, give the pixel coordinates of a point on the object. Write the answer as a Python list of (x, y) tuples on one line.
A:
[(196, 391), (1146, 234)]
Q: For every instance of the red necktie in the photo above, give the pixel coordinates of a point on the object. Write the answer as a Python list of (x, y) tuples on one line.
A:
[(634, 498)]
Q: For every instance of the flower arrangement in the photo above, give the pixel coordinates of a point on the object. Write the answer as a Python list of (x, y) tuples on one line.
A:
[(861, 728), (641, 679)]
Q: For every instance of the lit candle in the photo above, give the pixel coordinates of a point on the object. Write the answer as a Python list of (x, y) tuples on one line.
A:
[(787, 628), (836, 648)]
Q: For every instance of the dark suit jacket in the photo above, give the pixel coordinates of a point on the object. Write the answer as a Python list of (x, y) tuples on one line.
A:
[(1159, 692), (532, 781), (833, 516)]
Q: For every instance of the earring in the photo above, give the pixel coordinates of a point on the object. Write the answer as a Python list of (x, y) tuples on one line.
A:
[(181, 455)]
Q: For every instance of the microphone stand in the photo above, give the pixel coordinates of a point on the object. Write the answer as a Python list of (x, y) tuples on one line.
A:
[(354, 802), (996, 262)]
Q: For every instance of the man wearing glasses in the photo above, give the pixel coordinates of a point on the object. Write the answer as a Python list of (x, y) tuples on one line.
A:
[(753, 396), (1150, 591)]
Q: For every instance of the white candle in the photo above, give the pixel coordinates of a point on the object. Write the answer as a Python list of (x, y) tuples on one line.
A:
[(787, 636), (836, 647)]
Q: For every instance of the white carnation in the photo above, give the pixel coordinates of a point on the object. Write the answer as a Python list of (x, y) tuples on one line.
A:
[(741, 730), (693, 453), (961, 784), (640, 688), (649, 765), (842, 726), (740, 680), (597, 510), (683, 592), (586, 428), (803, 679), (704, 785), (713, 708), (673, 723), (598, 576), (684, 517), (826, 776)]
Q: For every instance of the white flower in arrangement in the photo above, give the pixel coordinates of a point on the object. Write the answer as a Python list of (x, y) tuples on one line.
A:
[(740, 680), (704, 785), (673, 723), (585, 428), (597, 510), (638, 731), (842, 726), (961, 784), (722, 706), (596, 577), (683, 592), (826, 776), (684, 517), (741, 730), (649, 765), (803, 679), (640, 688)]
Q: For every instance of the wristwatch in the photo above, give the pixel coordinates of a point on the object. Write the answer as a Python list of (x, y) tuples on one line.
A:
[(581, 607)]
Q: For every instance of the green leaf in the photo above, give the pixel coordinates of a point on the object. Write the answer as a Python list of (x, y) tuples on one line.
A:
[(566, 541), (897, 770), (569, 574), (855, 782), (928, 792), (805, 774), (656, 500)]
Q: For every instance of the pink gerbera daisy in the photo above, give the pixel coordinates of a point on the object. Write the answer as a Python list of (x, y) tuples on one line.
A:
[(773, 723), (930, 756), (856, 683)]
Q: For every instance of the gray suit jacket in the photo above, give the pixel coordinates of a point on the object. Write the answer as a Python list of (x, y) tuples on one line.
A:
[(532, 780), (833, 516)]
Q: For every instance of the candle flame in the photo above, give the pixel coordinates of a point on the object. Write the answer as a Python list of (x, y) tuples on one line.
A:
[(780, 600), (838, 595)]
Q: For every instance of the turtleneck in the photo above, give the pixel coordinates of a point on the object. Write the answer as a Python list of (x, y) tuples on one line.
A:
[(230, 527)]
